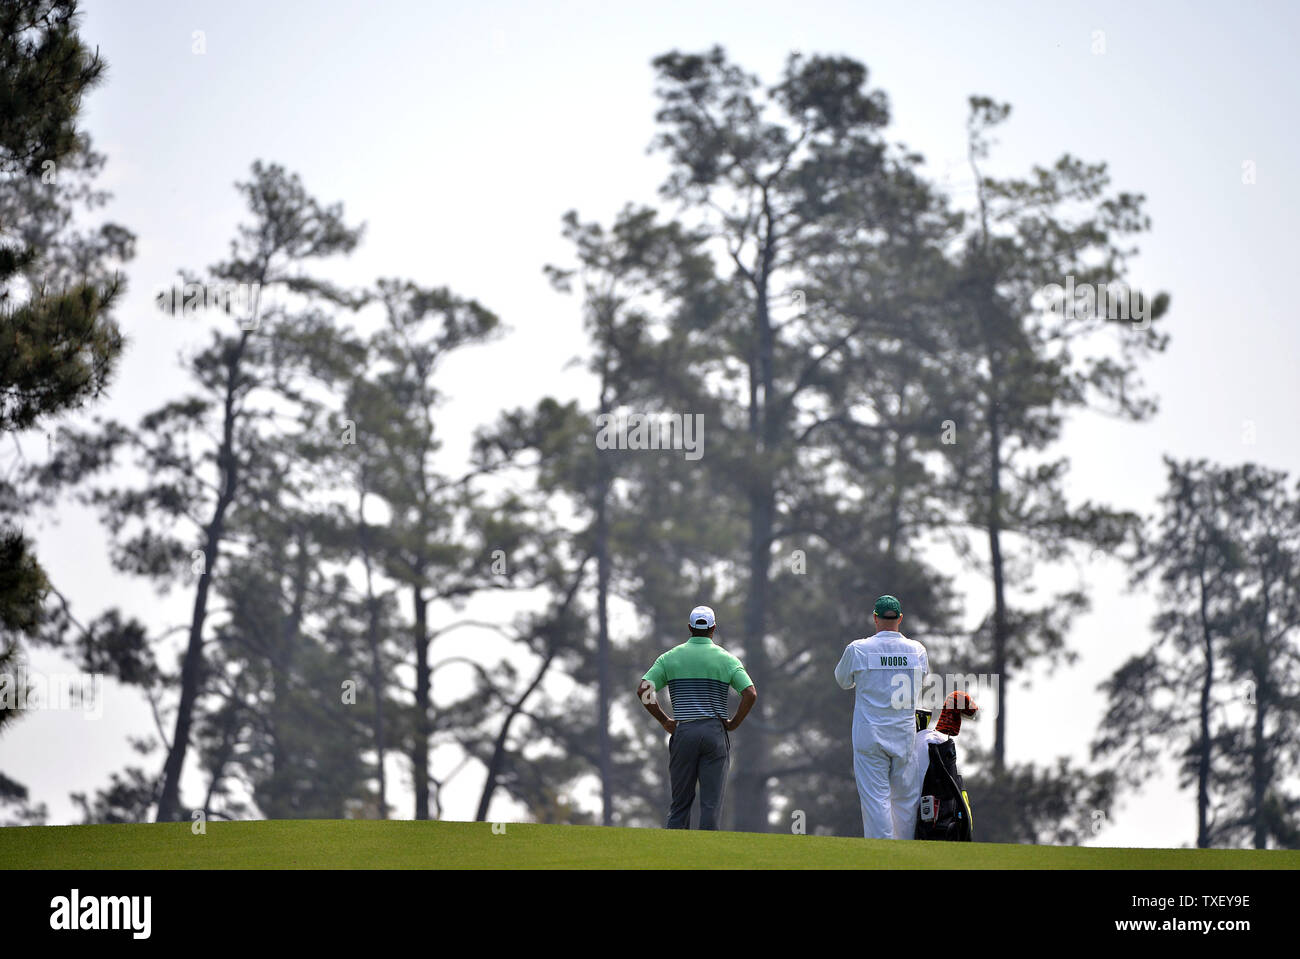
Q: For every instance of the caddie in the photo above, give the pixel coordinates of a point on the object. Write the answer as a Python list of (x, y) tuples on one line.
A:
[(887, 670)]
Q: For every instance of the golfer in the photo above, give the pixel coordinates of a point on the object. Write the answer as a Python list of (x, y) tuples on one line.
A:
[(887, 669), (698, 675)]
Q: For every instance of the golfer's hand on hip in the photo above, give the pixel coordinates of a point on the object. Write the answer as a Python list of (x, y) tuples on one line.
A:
[(670, 726)]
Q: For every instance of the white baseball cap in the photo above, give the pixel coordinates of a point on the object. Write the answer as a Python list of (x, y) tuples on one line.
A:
[(702, 617)]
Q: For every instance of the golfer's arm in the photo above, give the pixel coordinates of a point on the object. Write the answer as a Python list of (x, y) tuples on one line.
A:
[(646, 693), (747, 699)]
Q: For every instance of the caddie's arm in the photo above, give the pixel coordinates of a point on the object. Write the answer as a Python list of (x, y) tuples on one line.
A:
[(844, 669), (747, 700), (646, 693)]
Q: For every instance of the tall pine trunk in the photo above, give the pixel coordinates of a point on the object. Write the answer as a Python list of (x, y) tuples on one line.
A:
[(282, 678), (1000, 638), (751, 810), (377, 679), (192, 666), (1259, 771), (602, 649), (420, 746), (752, 803), (1203, 760), (377, 684)]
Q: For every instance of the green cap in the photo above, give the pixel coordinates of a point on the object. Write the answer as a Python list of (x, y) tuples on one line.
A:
[(888, 607)]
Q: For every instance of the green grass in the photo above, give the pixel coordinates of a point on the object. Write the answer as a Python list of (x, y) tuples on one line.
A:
[(306, 844)]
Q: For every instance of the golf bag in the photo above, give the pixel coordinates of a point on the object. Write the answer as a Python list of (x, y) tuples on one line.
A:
[(945, 809)]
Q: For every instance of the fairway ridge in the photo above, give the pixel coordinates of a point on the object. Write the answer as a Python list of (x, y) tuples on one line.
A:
[(406, 844)]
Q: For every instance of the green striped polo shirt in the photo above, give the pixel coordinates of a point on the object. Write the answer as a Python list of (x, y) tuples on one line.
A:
[(697, 674)]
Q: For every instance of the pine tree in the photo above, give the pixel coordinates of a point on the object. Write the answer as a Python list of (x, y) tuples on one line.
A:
[(59, 344)]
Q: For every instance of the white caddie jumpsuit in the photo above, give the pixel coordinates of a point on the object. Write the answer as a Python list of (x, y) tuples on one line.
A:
[(887, 669)]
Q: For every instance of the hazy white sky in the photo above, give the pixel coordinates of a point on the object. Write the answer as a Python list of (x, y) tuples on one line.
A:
[(461, 133)]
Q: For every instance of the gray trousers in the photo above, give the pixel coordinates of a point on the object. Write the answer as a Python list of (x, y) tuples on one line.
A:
[(700, 749)]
